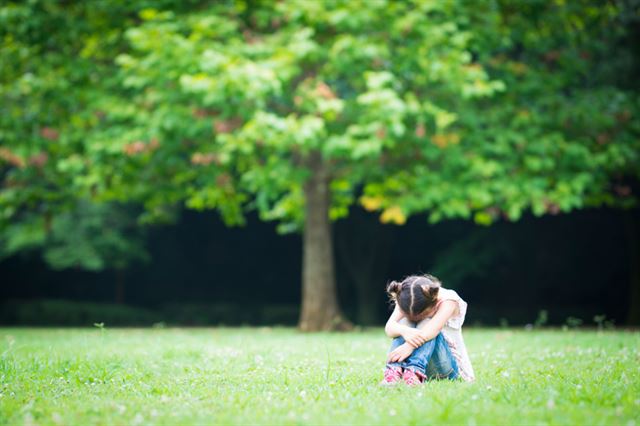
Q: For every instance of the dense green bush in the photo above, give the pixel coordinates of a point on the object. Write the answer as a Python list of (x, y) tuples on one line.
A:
[(70, 313)]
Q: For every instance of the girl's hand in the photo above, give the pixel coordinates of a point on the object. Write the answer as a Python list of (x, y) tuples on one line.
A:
[(400, 353), (414, 337)]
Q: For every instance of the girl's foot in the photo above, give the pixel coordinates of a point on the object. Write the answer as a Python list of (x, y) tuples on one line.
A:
[(392, 375), (411, 378)]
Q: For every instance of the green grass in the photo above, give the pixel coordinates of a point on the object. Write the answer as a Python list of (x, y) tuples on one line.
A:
[(279, 376)]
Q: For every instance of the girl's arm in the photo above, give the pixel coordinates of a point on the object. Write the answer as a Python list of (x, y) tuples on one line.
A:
[(393, 328), (428, 331), (447, 309)]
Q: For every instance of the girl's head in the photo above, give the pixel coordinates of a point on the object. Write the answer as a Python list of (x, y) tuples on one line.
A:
[(416, 295)]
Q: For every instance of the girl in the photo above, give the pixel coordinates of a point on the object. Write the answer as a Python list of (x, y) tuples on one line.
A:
[(426, 326)]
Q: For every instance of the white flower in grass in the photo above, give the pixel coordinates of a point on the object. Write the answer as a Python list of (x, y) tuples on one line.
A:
[(392, 412), (505, 374), (551, 404), (28, 420), (57, 419), (138, 419)]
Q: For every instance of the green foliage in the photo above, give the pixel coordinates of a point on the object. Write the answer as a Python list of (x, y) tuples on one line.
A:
[(89, 236), (277, 376), (258, 94), (478, 110), (56, 61), (543, 317), (602, 322), (573, 322), (94, 237)]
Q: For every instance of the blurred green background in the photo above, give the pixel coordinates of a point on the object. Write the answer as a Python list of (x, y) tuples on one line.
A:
[(278, 162)]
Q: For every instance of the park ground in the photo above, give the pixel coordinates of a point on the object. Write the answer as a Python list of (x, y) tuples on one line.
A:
[(170, 376)]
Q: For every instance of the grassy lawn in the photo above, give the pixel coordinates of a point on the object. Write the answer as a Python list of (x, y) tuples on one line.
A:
[(278, 376)]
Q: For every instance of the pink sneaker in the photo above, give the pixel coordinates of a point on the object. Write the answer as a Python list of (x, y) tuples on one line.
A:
[(412, 378), (392, 376)]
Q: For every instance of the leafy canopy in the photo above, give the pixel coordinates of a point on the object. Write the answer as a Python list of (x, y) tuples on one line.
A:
[(460, 109)]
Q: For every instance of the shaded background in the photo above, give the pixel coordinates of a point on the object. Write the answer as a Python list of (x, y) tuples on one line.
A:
[(201, 272)]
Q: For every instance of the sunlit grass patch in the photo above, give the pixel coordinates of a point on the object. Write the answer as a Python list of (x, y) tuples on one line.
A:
[(278, 376)]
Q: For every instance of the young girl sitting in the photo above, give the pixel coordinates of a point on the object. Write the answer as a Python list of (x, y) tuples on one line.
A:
[(426, 326)]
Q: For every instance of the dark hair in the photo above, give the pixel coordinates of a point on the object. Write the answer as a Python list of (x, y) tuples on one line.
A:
[(415, 293)]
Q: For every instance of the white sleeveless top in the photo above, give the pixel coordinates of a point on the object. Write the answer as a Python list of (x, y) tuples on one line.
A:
[(452, 332)]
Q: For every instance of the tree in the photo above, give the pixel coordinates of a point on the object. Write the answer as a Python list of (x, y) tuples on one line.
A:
[(299, 109), (292, 106)]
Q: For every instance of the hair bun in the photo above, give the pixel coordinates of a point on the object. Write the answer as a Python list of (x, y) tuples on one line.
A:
[(430, 292), (394, 288)]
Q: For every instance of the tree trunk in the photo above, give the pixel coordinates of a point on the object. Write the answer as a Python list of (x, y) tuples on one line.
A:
[(120, 282), (631, 225), (320, 310)]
